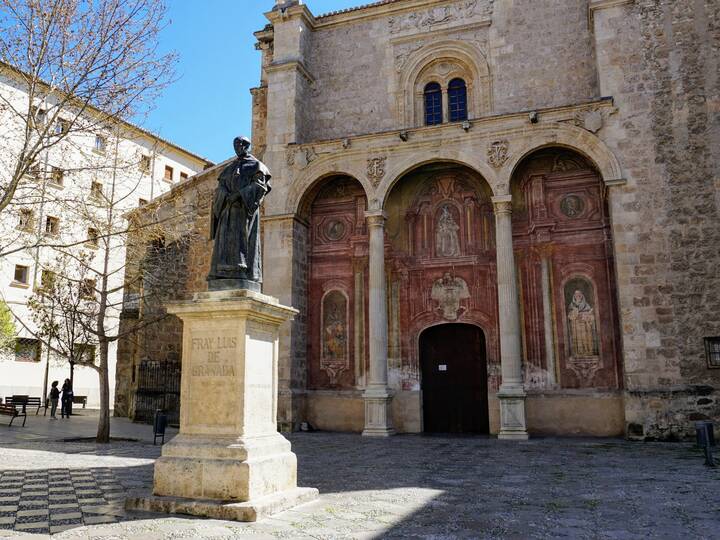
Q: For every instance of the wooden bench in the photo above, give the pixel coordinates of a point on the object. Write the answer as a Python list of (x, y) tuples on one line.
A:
[(10, 410), (24, 402), (77, 400)]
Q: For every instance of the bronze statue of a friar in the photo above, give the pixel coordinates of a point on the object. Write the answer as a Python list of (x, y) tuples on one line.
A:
[(235, 222)]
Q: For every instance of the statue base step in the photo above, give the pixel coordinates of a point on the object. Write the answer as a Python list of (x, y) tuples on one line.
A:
[(252, 510)]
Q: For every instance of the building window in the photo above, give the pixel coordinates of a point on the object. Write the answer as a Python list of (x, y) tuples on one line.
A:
[(145, 163), (52, 226), (62, 127), (47, 280), (183, 176), (27, 350), (457, 100), (433, 104), (100, 144), (142, 202), (93, 237), (22, 274), (25, 222), (96, 190), (168, 173), (40, 117), (712, 350), (57, 176), (87, 289)]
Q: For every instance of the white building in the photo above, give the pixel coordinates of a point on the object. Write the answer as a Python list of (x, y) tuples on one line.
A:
[(116, 165)]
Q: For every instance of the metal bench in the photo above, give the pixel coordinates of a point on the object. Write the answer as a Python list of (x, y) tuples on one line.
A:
[(77, 400), (10, 410)]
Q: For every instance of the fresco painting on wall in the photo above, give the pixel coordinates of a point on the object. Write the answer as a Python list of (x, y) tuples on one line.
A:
[(583, 341), (446, 236), (335, 357)]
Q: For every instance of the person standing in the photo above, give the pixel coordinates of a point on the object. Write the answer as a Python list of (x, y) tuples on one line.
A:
[(54, 397), (67, 397)]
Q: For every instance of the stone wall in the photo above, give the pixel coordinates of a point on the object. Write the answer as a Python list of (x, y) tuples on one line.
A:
[(659, 60), (536, 58)]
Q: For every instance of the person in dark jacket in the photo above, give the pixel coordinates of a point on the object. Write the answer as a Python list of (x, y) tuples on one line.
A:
[(67, 397), (54, 397)]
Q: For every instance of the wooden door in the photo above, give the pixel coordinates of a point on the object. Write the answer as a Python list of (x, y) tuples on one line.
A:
[(454, 379)]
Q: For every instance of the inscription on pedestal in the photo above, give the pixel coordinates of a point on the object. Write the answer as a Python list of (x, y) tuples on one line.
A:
[(213, 376)]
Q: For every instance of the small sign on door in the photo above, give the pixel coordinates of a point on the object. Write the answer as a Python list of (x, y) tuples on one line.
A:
[(442, 367)]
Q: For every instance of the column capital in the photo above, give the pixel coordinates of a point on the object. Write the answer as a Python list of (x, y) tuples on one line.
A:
[(502, 204), (375, 218)]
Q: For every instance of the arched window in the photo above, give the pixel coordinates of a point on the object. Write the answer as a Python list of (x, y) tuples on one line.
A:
[(433, 104), (457, 100)]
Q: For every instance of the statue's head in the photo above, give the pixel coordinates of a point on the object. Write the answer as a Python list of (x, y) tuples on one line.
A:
[(242, 146)]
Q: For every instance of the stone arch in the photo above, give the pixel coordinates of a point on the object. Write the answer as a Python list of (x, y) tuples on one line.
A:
[(562, 136), (397, 170), (443, 61), (306, 184)]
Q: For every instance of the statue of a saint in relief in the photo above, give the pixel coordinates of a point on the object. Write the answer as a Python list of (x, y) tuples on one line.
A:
[(446, 235), (235, 222)]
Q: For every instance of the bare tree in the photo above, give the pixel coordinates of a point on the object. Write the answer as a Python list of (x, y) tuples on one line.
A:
[(77, 66), (89, 281)]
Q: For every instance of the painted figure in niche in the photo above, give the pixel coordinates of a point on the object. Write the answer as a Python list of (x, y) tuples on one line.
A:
[(446, 235), (582, 326), (334, 337), (448, 292)]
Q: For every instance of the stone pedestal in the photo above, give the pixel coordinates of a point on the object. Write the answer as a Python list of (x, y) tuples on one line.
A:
[(228, 461)]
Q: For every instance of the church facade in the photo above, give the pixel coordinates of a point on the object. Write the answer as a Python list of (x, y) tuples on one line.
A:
[(493, 217)]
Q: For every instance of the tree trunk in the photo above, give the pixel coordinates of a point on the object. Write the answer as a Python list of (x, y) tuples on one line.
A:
[(103, 432)]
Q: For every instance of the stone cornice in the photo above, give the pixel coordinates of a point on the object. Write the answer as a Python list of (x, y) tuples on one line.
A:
[(496, 125), (290, 65)]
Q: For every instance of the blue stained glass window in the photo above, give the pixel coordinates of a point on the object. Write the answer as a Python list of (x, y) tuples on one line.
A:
[(457, 100), (433, 104)]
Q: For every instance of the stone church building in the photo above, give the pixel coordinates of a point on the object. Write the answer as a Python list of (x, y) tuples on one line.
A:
[(494, 216)]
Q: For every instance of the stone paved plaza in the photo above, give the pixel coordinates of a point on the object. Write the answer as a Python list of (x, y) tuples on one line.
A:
[(404, 487)]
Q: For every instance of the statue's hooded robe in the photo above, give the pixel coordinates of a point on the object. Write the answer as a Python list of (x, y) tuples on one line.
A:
[(235, 222)]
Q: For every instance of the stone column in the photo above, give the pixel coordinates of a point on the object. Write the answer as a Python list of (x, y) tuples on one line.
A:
[(511, 393), (378, 420)]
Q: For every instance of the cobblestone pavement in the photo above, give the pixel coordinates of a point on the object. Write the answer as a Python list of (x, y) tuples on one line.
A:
[(403, 487)]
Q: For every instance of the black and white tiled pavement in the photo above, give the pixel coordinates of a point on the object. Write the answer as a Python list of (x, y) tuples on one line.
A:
[(52, 500)]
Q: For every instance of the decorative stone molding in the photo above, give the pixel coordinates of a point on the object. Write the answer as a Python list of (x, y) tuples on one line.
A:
[(498, 153), (376, 169), (429, 18), (502, 204)]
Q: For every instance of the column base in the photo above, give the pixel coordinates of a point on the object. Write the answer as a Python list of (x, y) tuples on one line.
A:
[(512, 414), (378, 416), (252, 510)]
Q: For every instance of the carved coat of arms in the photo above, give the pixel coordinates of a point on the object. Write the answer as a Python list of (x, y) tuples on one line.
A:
[(376, 169), (448, 292), (498, 153)]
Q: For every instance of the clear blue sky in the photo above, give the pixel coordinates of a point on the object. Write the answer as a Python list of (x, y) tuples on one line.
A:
[(210, 103)]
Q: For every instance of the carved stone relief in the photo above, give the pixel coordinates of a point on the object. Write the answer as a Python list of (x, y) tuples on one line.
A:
[(376, 170), (448, 292), (426, 19), (498, 153)]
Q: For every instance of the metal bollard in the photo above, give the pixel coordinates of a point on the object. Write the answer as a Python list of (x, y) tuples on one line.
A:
[(706, 440), (159, 424)]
